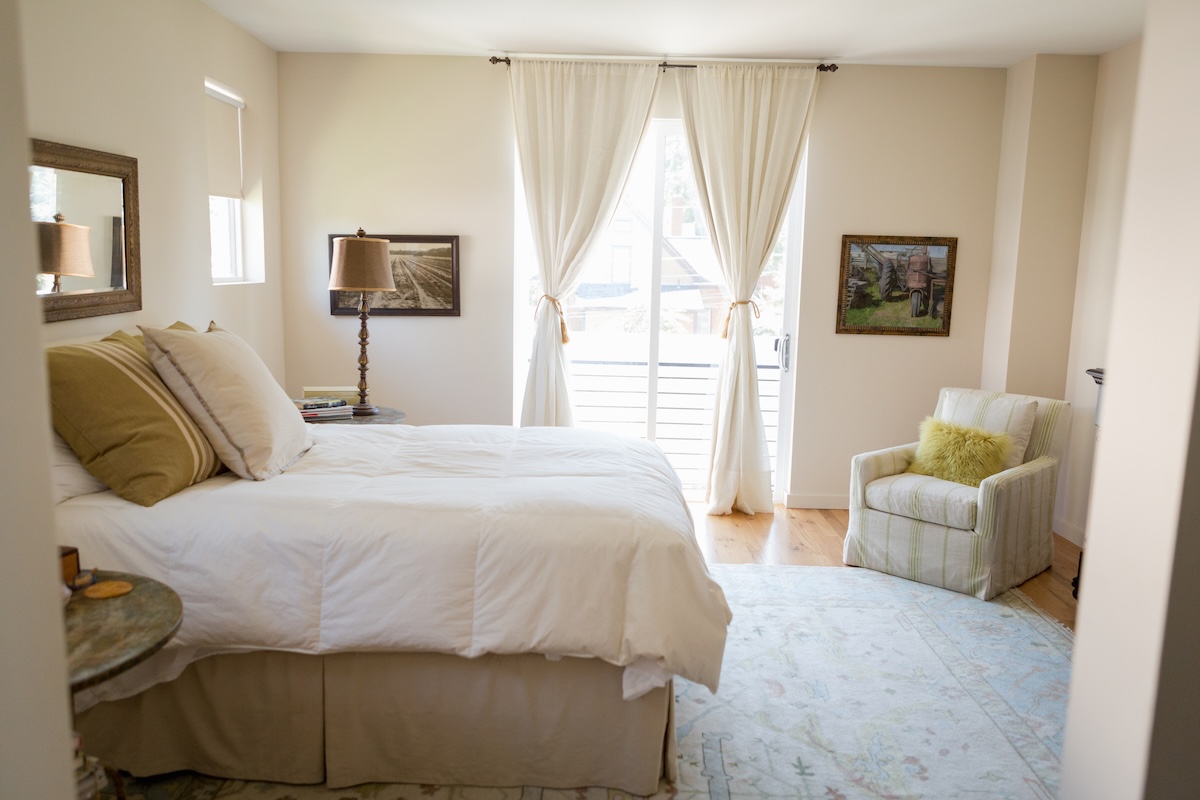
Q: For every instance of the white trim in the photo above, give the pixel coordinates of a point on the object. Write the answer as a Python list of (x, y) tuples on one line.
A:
[(660, 129), (1072, 533), (223, 93), (817, 501), (790, 326)]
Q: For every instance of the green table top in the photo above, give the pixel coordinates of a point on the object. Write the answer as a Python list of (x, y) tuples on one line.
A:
[(107, 637)]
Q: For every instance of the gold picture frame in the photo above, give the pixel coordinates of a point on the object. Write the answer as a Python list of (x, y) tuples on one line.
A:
[(896, 285), (120, 286)]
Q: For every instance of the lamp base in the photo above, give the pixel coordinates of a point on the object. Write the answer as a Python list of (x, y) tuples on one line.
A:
[(364, 409)]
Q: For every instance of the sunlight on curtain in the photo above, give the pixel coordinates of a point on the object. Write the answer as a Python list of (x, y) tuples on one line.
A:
[(745, 126), (578, 125)]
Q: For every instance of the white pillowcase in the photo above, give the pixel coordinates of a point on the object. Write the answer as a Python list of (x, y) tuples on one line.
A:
[(994, 412), (70, 477), (227, 389)]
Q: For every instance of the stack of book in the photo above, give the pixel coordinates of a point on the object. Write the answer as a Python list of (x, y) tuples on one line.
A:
[(319, 409), (89, 775)]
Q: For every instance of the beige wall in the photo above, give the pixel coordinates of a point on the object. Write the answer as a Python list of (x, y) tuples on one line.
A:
[(1116, 85), (1131, 722), (127, 77), (35, 744), (1039, 211), (1010, 186), (903, 151), (1051, 219), (401, 145)]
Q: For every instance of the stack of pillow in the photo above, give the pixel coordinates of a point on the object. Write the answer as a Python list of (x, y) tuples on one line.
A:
[(150, 415)]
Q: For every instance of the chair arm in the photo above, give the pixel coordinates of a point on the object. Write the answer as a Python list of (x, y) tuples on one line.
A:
[(1023, 493), (867, 467)]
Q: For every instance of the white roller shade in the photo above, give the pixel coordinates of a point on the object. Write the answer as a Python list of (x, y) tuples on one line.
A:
[(224, 146)]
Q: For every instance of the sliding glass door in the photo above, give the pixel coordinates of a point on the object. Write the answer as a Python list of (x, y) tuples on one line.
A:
[(646, 319)]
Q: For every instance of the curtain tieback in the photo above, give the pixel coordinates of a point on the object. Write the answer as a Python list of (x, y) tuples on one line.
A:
[(562, 320), (751, 303)]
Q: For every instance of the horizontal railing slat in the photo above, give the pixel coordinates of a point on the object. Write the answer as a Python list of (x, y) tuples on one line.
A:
[(612, 396)]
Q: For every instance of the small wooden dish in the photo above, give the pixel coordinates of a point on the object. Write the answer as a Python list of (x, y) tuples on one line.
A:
[(105, 589)]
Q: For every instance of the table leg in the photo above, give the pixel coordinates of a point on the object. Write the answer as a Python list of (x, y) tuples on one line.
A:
[(117, 781)]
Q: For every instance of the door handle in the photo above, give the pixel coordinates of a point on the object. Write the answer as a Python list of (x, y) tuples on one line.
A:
[(783, 346)]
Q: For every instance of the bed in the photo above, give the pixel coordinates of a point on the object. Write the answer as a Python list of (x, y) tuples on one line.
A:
[(472, 605)]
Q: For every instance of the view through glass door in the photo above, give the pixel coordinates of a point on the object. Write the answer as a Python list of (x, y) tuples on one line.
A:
[(646, 318)]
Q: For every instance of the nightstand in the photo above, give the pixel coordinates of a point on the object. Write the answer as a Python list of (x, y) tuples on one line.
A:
[(386, 416), (106, 637)]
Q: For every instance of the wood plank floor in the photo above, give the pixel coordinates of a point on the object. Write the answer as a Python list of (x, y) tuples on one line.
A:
[(813, 537)]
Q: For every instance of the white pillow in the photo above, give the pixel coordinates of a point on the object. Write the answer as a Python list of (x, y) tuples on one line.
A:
[(226, 388), (70, 477), (994, 412)]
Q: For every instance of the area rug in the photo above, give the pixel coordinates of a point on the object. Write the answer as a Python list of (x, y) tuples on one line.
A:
[(837, 684)]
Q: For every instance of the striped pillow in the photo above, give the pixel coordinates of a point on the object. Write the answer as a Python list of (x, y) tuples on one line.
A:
[(127, 428), (233, 397), (993, 412)]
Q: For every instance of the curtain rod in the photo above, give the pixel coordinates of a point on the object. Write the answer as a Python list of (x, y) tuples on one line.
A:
[(666, 66)]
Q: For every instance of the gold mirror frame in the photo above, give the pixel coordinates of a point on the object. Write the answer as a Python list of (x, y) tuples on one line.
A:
[(117, 301)]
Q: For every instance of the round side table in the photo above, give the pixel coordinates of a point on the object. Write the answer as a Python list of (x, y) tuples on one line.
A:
[(107, 637)]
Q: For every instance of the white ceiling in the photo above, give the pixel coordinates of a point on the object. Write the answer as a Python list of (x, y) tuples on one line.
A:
[(993, 33)]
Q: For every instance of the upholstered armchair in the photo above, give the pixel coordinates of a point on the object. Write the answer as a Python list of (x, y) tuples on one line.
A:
[(978, 541)]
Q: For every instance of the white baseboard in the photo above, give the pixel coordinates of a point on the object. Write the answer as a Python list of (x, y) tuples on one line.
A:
[(817, 501), (1072, 533)]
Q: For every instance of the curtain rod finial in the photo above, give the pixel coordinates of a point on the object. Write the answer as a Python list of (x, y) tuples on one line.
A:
[(827, 67), (498, 60)]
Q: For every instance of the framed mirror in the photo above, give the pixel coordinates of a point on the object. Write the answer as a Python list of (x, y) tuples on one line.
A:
[(85, 204)]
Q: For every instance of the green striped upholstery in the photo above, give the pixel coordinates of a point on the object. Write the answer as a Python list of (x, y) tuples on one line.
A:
[(924, 498), (896, 528), (992, 411)]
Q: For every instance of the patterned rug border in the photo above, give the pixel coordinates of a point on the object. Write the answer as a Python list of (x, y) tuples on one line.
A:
[(1026, 600)]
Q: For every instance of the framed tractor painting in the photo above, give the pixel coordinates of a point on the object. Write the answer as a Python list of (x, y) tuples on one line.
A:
[(899, 285)]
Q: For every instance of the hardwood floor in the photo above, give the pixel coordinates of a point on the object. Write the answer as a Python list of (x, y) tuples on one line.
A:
[(813, 537)]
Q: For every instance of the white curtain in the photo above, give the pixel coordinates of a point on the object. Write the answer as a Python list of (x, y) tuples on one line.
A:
[(745, 126), (578, 127)]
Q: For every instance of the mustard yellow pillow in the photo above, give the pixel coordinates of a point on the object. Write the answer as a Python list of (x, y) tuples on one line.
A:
[(959, 453), (129, 431)]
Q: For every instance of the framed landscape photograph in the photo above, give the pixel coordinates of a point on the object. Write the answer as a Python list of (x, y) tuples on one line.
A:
[(899, 285), (425, 269)]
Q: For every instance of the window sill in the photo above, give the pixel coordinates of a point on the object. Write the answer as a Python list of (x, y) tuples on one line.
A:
[(238, 283)]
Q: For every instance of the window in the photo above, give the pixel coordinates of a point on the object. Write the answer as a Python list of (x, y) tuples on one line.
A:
[(622, 260), (223, 111), (225, 238), (43, 202), (646, 318)]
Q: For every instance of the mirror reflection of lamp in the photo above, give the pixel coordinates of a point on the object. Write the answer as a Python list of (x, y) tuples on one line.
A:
[(65, 250)]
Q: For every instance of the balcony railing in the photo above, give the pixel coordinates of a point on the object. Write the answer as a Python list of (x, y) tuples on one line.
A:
[(612, 396)]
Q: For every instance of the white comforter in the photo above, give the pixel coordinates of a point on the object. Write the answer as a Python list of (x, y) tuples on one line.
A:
[(452, 539)]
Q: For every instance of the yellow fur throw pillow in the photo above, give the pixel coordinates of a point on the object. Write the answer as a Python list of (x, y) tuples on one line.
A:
[(959, 453)]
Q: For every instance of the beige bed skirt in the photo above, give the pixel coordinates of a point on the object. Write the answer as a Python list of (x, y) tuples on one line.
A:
[(351, 718)]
